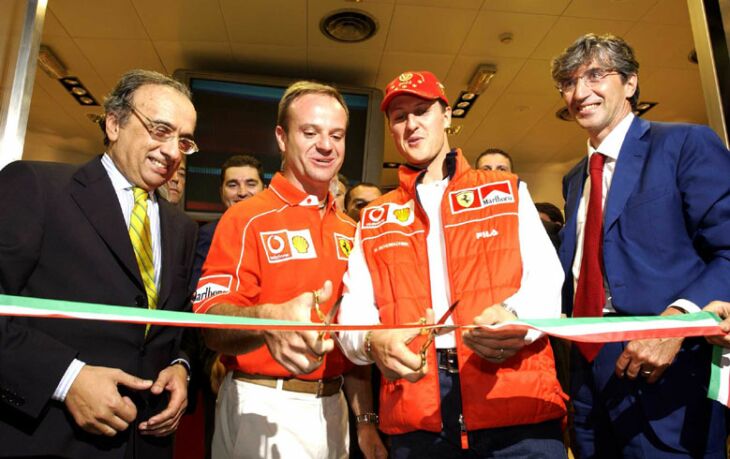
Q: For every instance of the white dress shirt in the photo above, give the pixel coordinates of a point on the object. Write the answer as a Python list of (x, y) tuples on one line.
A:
[(610, 147), (537, 297)]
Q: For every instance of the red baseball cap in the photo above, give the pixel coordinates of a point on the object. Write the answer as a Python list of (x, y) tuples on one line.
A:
[(422, 84)]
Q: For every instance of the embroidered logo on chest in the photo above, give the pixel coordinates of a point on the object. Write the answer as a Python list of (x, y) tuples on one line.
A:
[(343, 246), (388, 213), (284, 245), (480, 197)]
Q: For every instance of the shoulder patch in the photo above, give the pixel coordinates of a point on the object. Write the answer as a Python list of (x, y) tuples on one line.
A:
[(210, 286)]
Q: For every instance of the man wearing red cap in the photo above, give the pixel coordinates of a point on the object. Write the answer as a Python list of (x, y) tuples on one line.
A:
[(466, 246)]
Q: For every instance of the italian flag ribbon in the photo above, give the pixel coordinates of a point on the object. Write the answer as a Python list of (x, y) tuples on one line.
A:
[(584, 329)]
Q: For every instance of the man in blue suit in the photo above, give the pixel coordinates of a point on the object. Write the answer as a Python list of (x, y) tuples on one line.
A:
[(647, 233)]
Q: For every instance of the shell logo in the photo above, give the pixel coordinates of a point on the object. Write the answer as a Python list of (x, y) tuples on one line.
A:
[(402, 214), (300, 244)]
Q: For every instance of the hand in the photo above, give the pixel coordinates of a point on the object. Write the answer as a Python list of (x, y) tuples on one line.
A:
[(173, 379), (217, 374), (389, 349), (648, 357), (300, 352), (495, 346), (722, 309), (369, 441), (95, 403)]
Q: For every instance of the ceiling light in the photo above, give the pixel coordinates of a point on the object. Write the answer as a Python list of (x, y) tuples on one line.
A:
[(50, 63), (348, 26), (481, 78)]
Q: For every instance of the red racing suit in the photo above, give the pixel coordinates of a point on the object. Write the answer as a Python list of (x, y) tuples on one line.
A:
[(269, 249)]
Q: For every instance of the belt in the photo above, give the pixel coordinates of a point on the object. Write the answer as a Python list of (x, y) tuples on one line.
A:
[(320, 388), (447, 360)]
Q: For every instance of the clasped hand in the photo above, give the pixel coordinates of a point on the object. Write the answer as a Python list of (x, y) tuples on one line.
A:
[(97, 406)]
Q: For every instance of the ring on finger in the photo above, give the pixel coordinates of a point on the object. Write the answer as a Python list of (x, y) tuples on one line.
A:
[(500, 356), (646, 372)]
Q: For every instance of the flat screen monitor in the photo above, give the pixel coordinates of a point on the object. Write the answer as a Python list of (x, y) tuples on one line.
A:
[(237, 115)]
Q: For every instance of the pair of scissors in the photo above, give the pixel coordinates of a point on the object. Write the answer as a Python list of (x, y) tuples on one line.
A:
[(432, 332), (326, 319)]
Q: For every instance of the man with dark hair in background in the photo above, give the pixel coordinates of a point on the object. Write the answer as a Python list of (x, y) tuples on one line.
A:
[(360, 196), (174, 189), (281, 255), (647, 233), (99, 233), (242, 176), (494, 159)]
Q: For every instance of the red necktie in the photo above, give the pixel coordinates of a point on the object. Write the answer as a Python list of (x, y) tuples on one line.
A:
[(590, 295)]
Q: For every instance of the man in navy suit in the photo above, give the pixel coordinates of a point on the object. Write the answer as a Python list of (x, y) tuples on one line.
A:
[(647, 233)]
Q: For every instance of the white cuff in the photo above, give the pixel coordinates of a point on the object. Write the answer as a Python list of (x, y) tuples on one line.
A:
[(68, 378), (686, 305)]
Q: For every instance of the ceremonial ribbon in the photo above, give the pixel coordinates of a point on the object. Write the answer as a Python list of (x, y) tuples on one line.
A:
[(587, 330)]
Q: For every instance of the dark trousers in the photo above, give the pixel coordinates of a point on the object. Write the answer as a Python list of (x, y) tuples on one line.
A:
[(543, 440)]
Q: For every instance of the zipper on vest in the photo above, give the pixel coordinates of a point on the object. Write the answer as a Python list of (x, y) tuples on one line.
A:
[(464, 436)]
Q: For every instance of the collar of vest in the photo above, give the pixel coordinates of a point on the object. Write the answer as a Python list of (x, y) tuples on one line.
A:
[(292, 195), (456, 165)]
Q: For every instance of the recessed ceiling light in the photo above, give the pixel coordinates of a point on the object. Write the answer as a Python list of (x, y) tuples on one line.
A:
[(348, 26)]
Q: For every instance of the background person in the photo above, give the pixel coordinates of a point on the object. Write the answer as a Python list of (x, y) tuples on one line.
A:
[(494, 159)]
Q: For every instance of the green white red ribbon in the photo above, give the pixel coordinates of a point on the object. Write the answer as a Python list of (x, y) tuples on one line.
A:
[(591, 330)]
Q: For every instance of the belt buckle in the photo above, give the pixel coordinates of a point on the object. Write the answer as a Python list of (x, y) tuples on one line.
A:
[(452, 363), (320, 388)]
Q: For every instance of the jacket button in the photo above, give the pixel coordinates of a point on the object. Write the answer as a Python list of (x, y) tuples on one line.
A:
[(141, 301)]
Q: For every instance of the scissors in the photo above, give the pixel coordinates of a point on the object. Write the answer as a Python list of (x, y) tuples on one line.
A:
[(432, 332), (326, 318)]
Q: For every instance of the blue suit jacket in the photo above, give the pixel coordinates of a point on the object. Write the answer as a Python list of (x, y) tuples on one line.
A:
[(666, 236)]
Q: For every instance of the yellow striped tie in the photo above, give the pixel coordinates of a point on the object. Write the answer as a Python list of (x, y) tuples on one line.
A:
[(139, 233)]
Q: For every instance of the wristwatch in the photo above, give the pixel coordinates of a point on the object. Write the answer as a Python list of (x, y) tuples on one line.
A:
[(367, 418)]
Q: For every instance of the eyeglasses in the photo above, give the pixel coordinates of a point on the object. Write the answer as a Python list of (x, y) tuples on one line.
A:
[(162, 132), (590, 77)]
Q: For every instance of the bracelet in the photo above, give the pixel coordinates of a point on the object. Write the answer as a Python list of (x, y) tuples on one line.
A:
[(369, 345), (367, 418)]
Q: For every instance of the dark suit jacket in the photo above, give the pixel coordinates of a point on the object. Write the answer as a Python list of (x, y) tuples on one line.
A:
[(63, 236), (666, 237), (205, 237)]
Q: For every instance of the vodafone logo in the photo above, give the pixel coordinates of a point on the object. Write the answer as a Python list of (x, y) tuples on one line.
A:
[(285, 245), (275, 244), (400, 214)]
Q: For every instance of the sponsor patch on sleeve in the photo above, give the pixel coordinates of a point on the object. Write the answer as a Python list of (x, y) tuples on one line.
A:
[(210, 286), (402, 215), (486, 195), (285, 245)]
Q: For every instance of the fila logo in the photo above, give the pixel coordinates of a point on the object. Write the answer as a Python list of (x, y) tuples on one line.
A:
[(402, 215), (486, 195), (284, 245), (213, 286), (487, 234)]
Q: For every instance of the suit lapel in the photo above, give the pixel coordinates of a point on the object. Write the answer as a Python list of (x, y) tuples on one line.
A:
[(93, 192), (574, 181), (628, 169)]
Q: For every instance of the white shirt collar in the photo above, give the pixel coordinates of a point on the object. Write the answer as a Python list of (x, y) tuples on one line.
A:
[(611, 145), (119, 181)]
